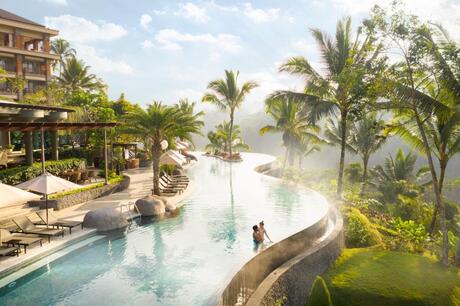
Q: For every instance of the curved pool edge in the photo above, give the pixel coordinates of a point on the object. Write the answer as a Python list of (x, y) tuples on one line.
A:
[(274, 274)]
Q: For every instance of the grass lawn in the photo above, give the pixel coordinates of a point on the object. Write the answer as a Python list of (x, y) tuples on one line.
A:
[(367, 277)]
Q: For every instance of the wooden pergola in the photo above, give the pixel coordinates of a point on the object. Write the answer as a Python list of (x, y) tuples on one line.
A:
[(59, 126)]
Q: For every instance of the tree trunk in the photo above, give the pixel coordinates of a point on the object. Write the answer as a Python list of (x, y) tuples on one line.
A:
[(343, 125), (443, 166), (285, 157), (438, 199), (156, 152), (365, 165), (231, 133)]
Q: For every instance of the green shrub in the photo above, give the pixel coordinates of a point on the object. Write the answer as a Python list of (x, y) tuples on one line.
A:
[(359, 231), (319, 294), (412, 236), (168, 168), (16, 175)]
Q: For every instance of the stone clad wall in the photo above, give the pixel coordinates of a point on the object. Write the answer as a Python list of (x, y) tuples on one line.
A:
[(87, 195)]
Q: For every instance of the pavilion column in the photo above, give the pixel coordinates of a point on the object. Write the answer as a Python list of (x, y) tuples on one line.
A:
[(29, 148), (54, 145), (106, 159)]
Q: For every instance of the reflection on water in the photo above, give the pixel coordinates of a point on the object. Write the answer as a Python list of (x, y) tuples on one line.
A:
[(182, 260)]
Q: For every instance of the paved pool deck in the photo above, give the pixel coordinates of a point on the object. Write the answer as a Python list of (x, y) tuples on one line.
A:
[(141, 185)]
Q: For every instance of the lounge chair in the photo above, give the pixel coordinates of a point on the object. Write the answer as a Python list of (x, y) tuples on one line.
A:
[(28, 227), (53, 221), (170, 187), (9, 251), (175, 179), (19, 239), (174, 184)]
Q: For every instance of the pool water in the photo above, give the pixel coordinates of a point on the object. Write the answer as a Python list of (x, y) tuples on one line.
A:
[(184, 260)]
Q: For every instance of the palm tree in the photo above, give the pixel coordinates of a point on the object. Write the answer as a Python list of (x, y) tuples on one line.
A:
[(226, 94), (76, 76), (341, 89), (220, 139), (291, 121), (307, 145), (364, 138), (400, 168), (158, 123), (405, 83), (444, 140), (61, 47)]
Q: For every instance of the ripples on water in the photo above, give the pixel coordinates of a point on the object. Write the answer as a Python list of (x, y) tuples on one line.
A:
[(182, 260)]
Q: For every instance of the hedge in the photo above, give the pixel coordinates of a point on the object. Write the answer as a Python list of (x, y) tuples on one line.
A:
[(16, 175)]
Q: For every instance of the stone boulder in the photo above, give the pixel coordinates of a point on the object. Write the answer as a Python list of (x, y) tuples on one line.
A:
[(151, 206), (105, 219), (170, 207)]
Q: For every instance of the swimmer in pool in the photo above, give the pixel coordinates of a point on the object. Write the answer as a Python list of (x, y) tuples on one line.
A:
[(256, 234), (263, 232)]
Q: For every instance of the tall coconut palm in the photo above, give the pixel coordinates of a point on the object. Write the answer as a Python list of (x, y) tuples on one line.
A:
[(340, 87), (226, 94), (405, 85), (76, 76), (61, 47), (161, 122), (290, 120), (363, 138)]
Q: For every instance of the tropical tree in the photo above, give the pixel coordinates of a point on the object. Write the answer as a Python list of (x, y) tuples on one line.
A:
[(363, 138), (291, 121), (226, 94), (160, 122), (404, 84), (340, 90), (444, 140), (76, 77), (306, 145), (222, 140), (61, 47)]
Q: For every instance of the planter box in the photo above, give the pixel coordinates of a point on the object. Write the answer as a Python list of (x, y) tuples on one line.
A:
[(87, 195), (133, 163), (145, 163)]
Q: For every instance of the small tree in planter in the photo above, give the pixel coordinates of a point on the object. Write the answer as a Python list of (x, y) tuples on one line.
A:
[(144, 160)]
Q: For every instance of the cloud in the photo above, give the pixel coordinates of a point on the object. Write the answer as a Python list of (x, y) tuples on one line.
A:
[(193, 12), (258, 15), (445, 12), (59, 2), (303, 45), (225, 8), (171, 39), (147, 44), (159, 12), (81, 30), (145, 20), (100, 63)]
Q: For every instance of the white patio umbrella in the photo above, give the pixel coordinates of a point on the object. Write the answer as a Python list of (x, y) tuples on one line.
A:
[(170, 159), (11, 195), (47, 184)]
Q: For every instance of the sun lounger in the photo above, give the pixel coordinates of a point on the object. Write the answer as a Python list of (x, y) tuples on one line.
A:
[(170, 188), (173, 184), (19, 239), (175, 180), (53, 221), (28, 227), (9, 251)]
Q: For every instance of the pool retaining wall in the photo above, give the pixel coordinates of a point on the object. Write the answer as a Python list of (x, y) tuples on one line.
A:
[(286, 270)]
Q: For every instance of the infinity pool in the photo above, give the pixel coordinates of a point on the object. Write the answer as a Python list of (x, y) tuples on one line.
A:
[(184, 260)]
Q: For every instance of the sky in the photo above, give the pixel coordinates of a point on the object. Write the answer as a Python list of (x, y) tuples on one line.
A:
[(167, 50)]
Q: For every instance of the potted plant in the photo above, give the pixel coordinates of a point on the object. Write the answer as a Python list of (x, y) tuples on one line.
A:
[(9, 148)]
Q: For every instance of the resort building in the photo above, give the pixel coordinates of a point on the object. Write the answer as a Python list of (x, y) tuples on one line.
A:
[(24, 55)]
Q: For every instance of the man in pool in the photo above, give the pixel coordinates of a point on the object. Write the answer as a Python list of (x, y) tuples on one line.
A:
[(256, 235), (263, 232)]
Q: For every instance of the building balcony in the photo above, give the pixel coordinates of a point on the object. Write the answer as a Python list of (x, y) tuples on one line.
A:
[(38, 54)]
